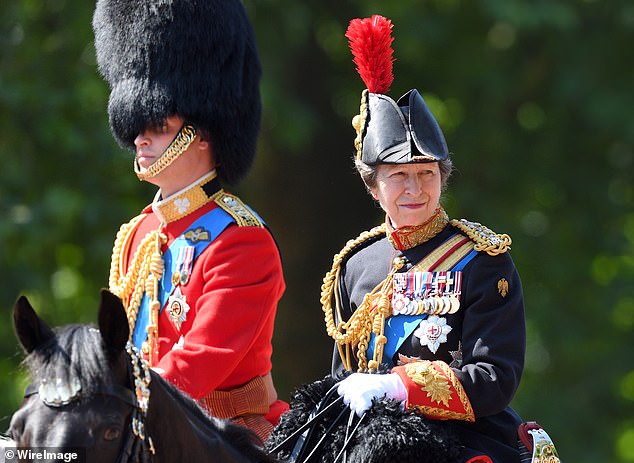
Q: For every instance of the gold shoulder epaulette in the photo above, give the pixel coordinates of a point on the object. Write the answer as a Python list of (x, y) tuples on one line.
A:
[(484, 238), (243, 216)]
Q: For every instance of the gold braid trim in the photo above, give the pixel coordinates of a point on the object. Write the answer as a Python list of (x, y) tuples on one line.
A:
[(234, 206), (414, 235), (356, 331), (144, 271), (484, 238)]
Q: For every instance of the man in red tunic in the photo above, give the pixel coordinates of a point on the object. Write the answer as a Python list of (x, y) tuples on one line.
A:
[(199, 273)]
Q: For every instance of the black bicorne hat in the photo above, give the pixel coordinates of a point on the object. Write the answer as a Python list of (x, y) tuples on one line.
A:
[(387, 131), (401, 132), (194, 58)]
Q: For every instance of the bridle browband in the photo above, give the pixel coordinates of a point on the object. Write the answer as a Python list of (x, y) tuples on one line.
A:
[(137, 446), (112, 390)]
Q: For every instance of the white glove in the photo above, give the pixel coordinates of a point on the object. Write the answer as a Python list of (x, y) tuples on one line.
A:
[(359, 389)]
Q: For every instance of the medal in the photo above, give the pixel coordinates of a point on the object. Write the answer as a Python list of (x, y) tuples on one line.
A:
[(439, 305), (433, 293), (399, 304), (183, 266), (454, 304), (446, 305), (177, 308)]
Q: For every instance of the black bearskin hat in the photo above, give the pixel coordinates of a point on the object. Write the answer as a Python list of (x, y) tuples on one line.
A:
[(194, 58)]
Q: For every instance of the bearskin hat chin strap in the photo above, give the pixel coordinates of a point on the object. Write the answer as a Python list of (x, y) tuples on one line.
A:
[(179, 145)]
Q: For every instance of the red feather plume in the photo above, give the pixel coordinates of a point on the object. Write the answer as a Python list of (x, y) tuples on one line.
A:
[(370, 41)]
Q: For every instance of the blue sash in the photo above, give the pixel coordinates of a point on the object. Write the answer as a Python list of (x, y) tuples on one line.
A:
[(213, 223), (399, 327)]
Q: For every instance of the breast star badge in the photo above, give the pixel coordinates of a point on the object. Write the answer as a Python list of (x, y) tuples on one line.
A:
[(177, 307), (432, 332)]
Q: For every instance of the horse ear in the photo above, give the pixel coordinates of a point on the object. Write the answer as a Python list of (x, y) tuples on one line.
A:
[(113, 323), (31, 330)]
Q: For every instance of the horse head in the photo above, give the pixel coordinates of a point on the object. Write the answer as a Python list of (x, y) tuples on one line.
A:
[(77, 397), (91, 391)]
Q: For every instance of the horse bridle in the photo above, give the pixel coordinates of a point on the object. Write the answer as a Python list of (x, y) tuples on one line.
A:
[(137, 444), (302, 436)]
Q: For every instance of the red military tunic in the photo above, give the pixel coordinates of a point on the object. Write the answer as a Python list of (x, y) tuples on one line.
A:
[(224, 342)]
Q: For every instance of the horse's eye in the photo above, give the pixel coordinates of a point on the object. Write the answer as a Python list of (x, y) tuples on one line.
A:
[(112, 433)]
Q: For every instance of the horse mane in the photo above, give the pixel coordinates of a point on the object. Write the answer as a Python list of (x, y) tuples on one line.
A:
[(239, 437), (75, 353)]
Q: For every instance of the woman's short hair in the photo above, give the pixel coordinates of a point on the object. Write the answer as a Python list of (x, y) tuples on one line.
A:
[(368, 173)]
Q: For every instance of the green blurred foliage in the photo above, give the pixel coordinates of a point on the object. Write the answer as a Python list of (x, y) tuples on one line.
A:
[(535, 99)]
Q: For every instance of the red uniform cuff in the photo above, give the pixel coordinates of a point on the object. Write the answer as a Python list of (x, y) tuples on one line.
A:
[(434, 390)]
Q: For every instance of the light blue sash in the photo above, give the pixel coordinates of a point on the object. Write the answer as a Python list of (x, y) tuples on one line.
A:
[(214, 222)]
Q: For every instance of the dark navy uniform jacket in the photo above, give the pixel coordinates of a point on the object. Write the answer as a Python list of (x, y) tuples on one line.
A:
[(485, 346)]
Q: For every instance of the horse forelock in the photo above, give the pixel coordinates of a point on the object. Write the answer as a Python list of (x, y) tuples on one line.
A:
[(75, 354)]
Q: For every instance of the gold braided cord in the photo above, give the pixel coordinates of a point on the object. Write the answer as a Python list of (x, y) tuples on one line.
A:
[(144, 271), (356, 331), (382, 311), (359, 123), (181, 142), (484, 238)]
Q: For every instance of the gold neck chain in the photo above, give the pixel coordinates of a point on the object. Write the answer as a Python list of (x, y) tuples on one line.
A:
[(409, 237)]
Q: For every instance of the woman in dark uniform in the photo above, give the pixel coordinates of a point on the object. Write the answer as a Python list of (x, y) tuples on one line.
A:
[(427, 310)]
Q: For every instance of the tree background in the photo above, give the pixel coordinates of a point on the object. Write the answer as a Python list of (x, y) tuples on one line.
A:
[(535, 99)]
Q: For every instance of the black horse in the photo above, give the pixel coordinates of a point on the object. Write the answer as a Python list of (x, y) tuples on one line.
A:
[(90, 391)]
